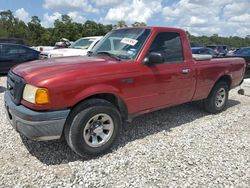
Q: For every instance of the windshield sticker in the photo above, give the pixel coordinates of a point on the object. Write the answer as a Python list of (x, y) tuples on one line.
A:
[(129, 41)]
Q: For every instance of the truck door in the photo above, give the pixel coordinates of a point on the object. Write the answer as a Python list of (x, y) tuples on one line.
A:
[(173, 79)]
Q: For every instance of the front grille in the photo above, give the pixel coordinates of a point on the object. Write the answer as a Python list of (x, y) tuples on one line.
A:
[(15, 85)]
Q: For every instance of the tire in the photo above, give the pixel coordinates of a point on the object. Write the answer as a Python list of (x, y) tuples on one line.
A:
[(217, 99), (93, 127)]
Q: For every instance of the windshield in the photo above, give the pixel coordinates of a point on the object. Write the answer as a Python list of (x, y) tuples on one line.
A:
[(122, 43), (82, 43)]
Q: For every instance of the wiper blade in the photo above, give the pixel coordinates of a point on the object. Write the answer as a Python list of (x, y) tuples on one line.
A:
[(110, 55)]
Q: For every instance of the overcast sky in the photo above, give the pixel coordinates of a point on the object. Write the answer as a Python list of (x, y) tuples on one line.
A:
[(199, 17)]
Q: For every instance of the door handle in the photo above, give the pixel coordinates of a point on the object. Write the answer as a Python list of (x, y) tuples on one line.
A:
[(185, 71)]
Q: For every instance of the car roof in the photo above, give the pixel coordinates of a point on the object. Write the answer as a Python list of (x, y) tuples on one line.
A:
[(197, 48), (12, 40), (92, 37), (13, 44), (170, 29), (148, 27), (245, 47), (217, 45)]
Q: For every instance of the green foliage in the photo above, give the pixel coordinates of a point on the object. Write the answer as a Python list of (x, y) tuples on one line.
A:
[(120, 24), (9, 24), (138, 24), (35, 34), (231, 42)]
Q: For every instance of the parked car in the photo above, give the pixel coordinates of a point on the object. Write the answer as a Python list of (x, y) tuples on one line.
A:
[(221, 50), (244, 53), (42, 48), (87, 98), (13, 54), (78, 48), (204, 50), (63, 43), (232, 51)]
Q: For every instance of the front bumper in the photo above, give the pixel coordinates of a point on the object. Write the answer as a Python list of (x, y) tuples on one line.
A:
[(33, 124)]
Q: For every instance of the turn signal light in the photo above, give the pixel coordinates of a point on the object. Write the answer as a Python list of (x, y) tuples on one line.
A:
[(42, 96)]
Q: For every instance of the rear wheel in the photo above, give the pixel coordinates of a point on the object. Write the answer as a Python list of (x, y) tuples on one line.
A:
[(217, 99), (92, 127)]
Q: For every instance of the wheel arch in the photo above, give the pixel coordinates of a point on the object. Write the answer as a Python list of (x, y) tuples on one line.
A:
[(225, 78), (116, 100), (109, 96)]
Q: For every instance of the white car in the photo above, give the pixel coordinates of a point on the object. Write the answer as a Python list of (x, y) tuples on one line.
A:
[(42, 48), (78, 48)]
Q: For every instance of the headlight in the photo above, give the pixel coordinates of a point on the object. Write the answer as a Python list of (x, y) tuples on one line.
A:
[(56, 55), (35, 95)]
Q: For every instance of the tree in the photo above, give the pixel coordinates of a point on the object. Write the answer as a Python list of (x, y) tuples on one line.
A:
[(21, 30), (7, 23), (137, 24), (90, 28), (120, 24), (66, 19), (35, 34), (35, 31)]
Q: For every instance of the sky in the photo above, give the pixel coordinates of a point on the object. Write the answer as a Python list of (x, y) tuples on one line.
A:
[(199, 17)]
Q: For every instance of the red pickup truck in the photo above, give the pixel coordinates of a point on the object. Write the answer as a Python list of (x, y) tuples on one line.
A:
[(131, 71)]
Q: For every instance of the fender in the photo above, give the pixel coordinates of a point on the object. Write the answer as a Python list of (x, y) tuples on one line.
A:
[(96, 89), (224, 74)]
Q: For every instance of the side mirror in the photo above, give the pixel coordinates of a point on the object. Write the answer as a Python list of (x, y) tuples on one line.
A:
[(89, 53), (153, 58)]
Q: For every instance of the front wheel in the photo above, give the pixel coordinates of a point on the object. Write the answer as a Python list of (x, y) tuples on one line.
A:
[(217, 99), (92, 127)]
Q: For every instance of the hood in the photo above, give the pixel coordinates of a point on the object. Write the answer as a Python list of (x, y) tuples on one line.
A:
[(71, 67), (66, 52)]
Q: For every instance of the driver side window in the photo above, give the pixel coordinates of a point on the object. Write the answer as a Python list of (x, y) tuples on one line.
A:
[(168, 44)]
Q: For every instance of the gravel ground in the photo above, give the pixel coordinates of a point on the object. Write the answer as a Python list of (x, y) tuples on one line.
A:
[(177, 147)]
